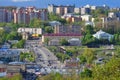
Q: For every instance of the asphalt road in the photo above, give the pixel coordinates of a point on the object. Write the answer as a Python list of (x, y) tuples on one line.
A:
[(44, 57)]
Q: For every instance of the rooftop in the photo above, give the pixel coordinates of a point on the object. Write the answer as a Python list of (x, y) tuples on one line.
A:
[(62, 34)]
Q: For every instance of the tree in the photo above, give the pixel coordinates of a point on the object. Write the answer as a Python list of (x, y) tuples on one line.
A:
[(82, 59), (36, 23), (13, 36), (20, 44), (89, 29), (55, 17), (110, 70), (89, 55), (2, 36), (86, 73), (64, 42), (47, 41), (87, 39), (27, 56), (2, 24), (48, 29)]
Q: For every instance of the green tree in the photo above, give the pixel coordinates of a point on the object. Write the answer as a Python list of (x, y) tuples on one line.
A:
[(20, 44), (48, 29), (82, 59), (47, 41), (89, 29), (110, 70), (86, 73), (89, 54), (55, 17), (64, 42), (2, 36), (2, 24), (27, 56), (88, 39), (36, 23)]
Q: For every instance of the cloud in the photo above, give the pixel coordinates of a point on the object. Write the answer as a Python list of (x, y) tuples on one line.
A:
[(22, 0)]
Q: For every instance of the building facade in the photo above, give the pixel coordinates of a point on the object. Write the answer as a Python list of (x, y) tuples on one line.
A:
[(67, 29), (25, 15), (60, 9)]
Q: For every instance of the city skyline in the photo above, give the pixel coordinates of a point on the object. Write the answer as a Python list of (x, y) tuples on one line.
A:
[(44, 3)]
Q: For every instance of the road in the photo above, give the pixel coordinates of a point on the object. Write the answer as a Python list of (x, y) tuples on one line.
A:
[(44, 57)]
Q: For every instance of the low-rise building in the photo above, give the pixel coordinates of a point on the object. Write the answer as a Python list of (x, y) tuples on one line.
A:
[(86, 17), (54, 23), (11, 54), (2, 69), (54, 39), (14, 68), (54, 42), (69, 29), (75, 42), (30, 30), (89, 23), (102, 35)]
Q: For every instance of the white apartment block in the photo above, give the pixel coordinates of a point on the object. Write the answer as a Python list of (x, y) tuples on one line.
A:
[(30, 30)]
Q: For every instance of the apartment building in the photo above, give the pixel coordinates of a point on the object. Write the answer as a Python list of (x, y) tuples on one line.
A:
[(77, 10), (3, 15), (25, 15), (67, 29), (85, 10), (70, 17), (60, 9)]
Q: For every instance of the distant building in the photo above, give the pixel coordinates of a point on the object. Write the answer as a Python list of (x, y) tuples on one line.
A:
[(60, 9), (54, 23), (25, 15), (6, 15), (67, 29), (110, 21), (11, 54), (2, 70), (3, 15), (25, 36), (85, 10), (86, 17), (74, 41), (102, 35), (57, 37), (30, 30), (54, 42), (77, 10), (114, 15), (70, 17), (103, 7), (15, 68), (89, 23)]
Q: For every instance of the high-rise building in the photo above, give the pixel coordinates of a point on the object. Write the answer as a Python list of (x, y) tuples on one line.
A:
[(85, 10), (25, 15), (9, 16), (60, 9), (3, 15)]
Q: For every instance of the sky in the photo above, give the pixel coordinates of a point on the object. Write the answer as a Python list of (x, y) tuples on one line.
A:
[(44, 3)]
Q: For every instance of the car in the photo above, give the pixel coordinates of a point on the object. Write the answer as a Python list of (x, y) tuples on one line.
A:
[(100, 59)]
